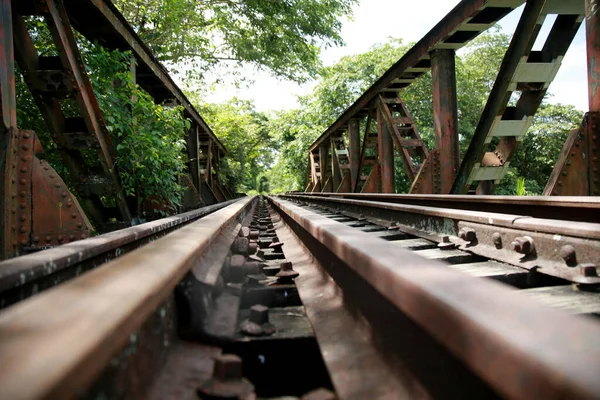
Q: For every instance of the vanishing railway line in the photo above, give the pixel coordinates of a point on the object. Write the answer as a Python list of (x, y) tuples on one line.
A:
[(384, 300)]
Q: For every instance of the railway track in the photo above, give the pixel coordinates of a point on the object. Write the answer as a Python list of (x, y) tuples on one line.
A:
[(316, 297)]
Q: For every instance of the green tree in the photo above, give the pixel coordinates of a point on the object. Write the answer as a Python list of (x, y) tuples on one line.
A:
[(284, 37), (244, 132)]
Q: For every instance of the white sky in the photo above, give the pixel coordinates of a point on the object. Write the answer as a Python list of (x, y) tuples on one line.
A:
[(376, 20)]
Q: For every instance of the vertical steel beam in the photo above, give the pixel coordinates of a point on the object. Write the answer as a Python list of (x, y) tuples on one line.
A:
[(193, 156), (323, 165), (354, 154), (592, 22), (7, 68), (445, 115), (336, 172), (8, 130), (385, 147)]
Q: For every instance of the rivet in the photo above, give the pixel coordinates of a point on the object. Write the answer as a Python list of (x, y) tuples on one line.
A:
[(71, 237), (22, 205), (14, 210), (57, 185), (559, 183), (36, 238), (82, 236), (73, 215), (25, 147), (69, 204), (567, 252), (23, 181), (51, 176), (23, 229), (564, 173), (79, 224), (26, 135), (23, 218), (23, 169), (64, 194), (23, 193), (23, 242), (45, 168), (60, 237), (572, 154), (48, 238), (13, 180)]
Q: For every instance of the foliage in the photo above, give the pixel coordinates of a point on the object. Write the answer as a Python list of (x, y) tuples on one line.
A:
[(149, 138), (477, 65), (284, 37), (245, 134)]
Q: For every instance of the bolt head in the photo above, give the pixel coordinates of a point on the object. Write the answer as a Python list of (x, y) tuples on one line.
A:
[(588, 270), (467, 234), (259, 314), (285, 266), (497, 239), (567, 252), (227, 367)]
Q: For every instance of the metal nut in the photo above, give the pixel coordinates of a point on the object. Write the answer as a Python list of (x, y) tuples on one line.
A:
[(467, 234), (567, 252), (523, 245), (497, 239)]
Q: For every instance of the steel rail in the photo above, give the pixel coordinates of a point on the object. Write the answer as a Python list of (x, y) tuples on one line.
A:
[(572, 208), (521, 349), (494, 234), (20, 277), (54, 344)]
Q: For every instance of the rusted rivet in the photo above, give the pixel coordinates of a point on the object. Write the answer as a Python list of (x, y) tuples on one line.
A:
[(51, 176), (71, 237), (73, 215), (23, 193), (497, 239), (523, 245), (23, 229), (567, 252), (48, 238), (23, 181), (46, 168), (227, 381), (23, 218), (14, 210), (22, 205), (559, 183), (64, 194), (36, 238), (57, 185), (60, 237), (26, 135), (23, 170), (467, 234), (25, 147)]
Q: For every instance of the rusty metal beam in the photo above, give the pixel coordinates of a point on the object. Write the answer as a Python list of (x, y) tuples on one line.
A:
[(354, 156), (385, 148), (8, 130), (445, 116), (443, 35), (592, 22)]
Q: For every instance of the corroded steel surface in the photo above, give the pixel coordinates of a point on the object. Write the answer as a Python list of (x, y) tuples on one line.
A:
[(552, 355)]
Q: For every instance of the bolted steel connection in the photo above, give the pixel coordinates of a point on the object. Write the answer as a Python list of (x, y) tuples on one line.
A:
[(567, 252), (258, 323), (523, 245), (227, 381), (467, 234), (286, 272)]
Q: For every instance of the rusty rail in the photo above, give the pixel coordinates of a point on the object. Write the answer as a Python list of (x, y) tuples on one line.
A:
[(572, 208), (25, 276), (42, 358), (482, 323), (492, 235)]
